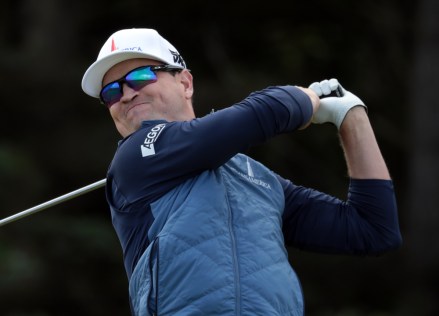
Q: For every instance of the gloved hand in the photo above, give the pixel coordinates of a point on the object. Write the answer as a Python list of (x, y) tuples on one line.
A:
[(333, 109)]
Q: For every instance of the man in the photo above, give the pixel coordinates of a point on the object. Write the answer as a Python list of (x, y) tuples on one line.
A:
[(203, 227)]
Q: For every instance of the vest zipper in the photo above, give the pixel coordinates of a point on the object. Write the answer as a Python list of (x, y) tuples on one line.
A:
[(234, 257), (157, 280), (154, 278)]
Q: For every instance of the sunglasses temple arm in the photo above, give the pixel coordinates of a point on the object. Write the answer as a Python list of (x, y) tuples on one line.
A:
[(53, 202)]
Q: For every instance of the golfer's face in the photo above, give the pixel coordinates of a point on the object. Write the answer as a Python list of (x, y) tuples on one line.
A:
[(168, 98)]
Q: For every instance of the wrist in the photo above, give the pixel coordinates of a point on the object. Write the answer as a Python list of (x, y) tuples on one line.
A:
[(355, 121), (310, 104), (353, 118)]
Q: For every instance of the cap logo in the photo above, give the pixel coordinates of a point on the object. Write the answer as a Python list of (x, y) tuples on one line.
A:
[(136, 48), (114, 47), (178, 59)]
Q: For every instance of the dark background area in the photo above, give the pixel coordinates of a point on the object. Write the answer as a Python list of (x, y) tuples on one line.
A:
[(54, 139)]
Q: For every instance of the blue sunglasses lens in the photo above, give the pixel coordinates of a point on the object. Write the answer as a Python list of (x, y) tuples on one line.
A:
[(135, 79), (139, 76), (111, 93)]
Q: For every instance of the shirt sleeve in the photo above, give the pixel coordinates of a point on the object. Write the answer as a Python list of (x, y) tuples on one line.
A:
[(185, 149), (365, 224), (217, 137)]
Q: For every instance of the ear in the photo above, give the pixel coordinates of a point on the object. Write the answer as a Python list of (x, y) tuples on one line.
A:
[(187, 81)]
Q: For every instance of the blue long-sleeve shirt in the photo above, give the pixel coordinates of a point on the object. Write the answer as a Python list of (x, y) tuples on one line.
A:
[(161, 155)]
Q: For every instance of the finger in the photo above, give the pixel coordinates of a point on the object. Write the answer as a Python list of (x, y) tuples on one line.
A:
[(315, 86), (326, 89), (333, 84)]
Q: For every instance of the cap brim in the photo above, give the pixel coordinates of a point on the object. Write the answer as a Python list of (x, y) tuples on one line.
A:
[(92, 80)]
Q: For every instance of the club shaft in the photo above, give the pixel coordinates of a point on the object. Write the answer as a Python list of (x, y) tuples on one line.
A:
[(55, 201)]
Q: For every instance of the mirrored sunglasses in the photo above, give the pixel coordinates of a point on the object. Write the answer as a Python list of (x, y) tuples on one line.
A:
[(136, 79)]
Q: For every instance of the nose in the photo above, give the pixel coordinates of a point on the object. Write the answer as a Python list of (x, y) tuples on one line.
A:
[(128, 93)]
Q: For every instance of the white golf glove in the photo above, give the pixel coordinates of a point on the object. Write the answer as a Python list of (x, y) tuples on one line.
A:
[(333, 109)]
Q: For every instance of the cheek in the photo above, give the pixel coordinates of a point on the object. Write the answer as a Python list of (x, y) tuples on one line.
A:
[(115, 112), (175, 97)]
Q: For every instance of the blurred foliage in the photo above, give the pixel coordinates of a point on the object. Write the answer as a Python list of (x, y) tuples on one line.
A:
[(55, 139)]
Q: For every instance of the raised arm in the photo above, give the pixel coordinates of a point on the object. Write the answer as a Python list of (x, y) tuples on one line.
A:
[(367, 221), (363, 156), (349, 114)]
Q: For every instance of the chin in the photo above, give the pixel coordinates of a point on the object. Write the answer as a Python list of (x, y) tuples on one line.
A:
[(137, 116)]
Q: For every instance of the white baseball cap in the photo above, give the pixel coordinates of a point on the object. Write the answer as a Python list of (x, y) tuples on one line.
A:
[(128, 44)]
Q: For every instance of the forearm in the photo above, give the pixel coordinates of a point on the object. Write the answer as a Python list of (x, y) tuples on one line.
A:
[(363, 156)]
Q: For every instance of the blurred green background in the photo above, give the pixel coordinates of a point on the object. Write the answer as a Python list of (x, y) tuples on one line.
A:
[(54, 139)]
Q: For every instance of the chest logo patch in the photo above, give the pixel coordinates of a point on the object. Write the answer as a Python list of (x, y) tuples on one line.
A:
[(147, 147)]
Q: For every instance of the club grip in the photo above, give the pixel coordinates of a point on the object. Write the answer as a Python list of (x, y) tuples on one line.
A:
[(336, 93)]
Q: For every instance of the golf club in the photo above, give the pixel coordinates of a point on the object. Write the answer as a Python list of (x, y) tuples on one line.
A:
[(55, 201), (98, 184)]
